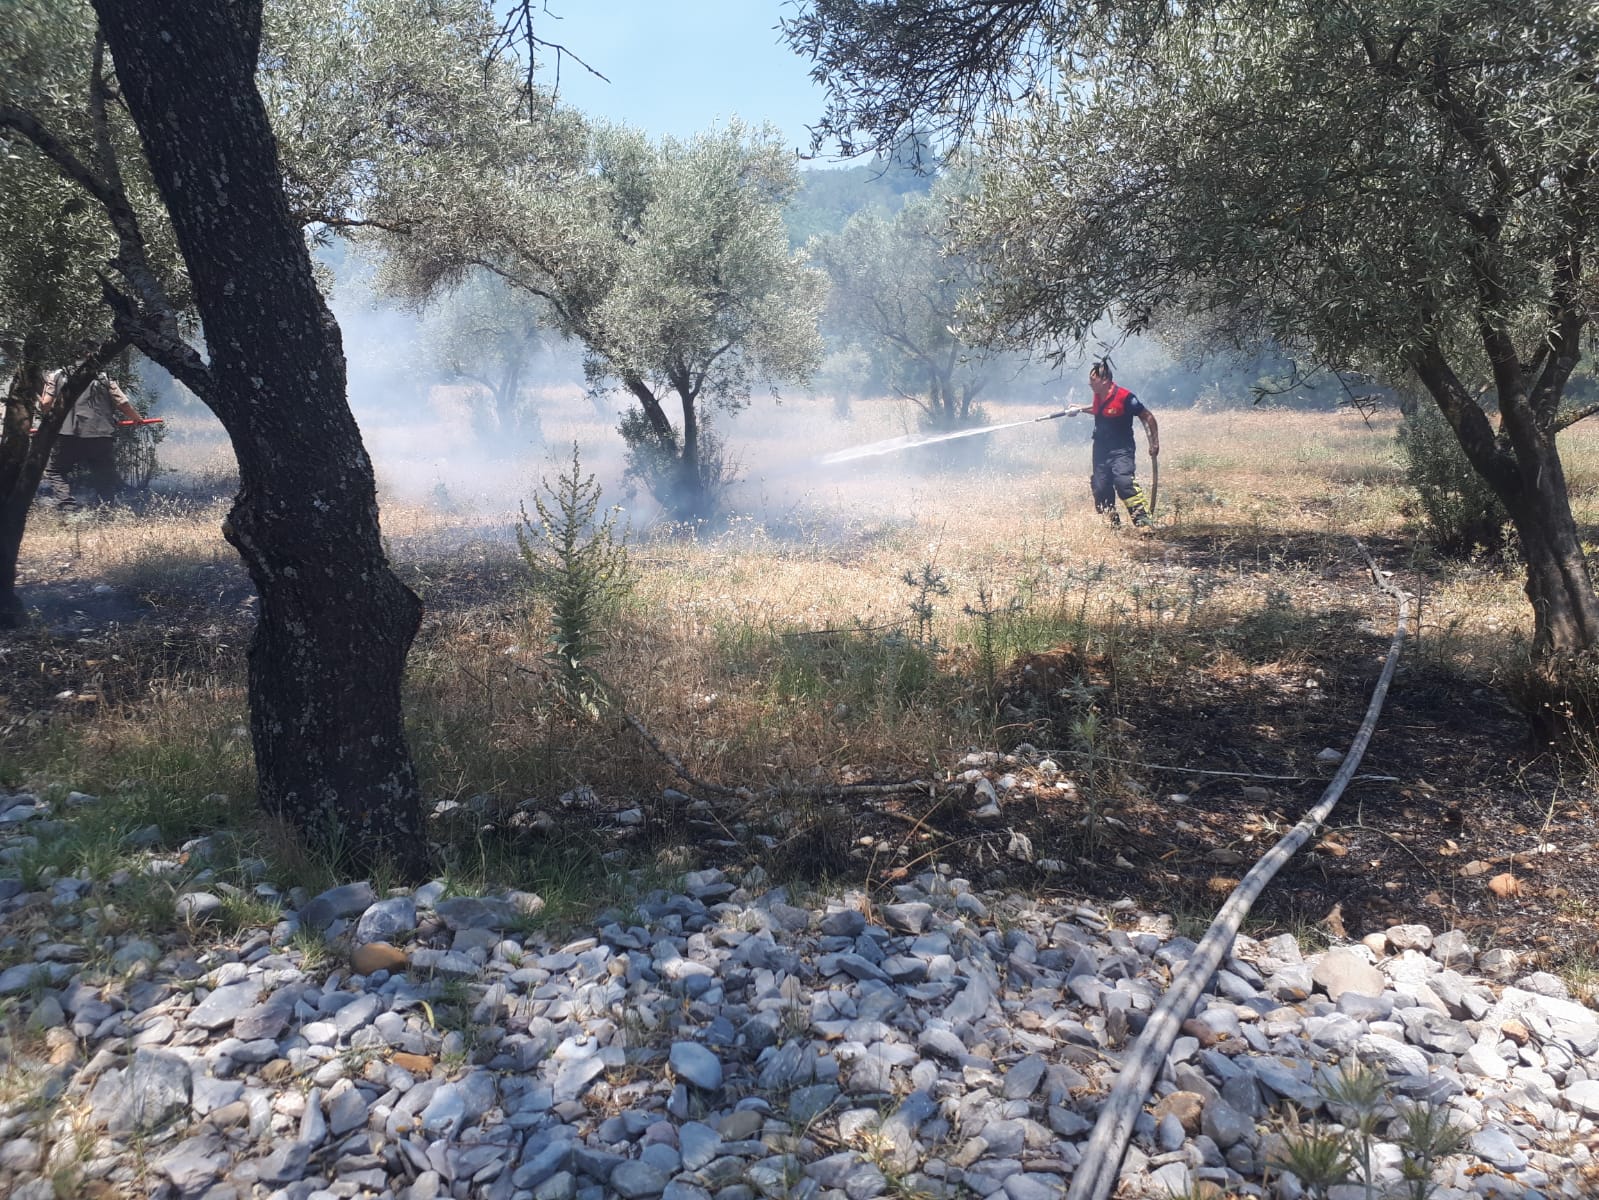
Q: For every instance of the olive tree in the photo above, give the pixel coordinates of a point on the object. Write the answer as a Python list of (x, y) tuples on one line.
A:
[(668, 261), (896, 294), (50, 313), (111, 97), (1406, 187), (486, 334), (54, 240)]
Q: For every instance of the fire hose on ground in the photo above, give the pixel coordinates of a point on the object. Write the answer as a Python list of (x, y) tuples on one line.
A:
[(1102, 1155)]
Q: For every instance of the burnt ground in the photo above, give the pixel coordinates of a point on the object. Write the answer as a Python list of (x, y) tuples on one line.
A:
[(1476, 827), (1470, 800), (100, 642)]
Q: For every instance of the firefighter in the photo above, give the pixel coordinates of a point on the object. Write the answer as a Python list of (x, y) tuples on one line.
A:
[(1114, 408), (88, 438)]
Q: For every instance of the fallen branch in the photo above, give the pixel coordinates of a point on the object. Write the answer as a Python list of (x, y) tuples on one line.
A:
[(846, 791), (1102, 1156), (676, 763), (842, 791)]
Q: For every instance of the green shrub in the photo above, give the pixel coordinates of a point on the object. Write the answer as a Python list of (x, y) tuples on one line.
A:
[(1458, 509), (137, 454), (688, 493), (1561, 697)]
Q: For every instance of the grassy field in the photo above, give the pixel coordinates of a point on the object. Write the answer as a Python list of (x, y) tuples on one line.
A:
[(780, 652)]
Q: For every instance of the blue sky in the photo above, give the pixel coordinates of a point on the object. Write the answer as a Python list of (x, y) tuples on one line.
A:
[(677, 68)]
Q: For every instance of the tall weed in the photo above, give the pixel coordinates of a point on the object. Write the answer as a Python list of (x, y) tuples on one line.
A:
[(578, 565)]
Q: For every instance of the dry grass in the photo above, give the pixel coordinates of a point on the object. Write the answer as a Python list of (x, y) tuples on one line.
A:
[(779, 648)]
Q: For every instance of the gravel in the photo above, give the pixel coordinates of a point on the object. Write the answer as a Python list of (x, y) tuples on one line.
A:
[(729, 1041)]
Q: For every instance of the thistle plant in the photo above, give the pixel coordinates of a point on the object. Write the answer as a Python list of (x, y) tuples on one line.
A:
[(926, 583), (1322, 1156), (988, 614)]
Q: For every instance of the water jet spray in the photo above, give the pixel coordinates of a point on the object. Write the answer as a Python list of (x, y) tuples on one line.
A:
[(911, 441)]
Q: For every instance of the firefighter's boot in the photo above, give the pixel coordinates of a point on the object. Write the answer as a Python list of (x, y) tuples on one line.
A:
[(1138, 508)]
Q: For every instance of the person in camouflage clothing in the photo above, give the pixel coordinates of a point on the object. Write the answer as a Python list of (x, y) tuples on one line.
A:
[(87, 442)]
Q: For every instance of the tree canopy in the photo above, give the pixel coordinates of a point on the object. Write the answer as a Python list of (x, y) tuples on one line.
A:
[(829, 196), (669, 262), (925, 74), (1400, 185), (368, 97)]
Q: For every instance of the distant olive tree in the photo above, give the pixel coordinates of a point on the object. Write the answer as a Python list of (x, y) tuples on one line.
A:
[(896, 293), (487, 334), (48, 312), (668, 261)]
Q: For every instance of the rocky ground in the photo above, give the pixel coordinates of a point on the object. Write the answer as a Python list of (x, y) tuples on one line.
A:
[(728, 1039)]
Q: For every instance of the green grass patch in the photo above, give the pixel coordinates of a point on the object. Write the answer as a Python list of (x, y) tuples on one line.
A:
[(190, 779), (861, 668), (244, 912), (315, 953), (565, 870), (145, 904), (473, 735)]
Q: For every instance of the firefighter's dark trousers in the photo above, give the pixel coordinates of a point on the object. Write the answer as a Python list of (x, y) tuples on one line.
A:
[(1113, 477), (93, 460)]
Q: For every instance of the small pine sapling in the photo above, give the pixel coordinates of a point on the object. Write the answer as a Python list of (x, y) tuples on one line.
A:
[(579, 565), (1324, 1157), (988, 614)]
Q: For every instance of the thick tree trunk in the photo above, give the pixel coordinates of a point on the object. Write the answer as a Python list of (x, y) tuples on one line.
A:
[(1530, 481), (327, 659), (696, 501), (947, 412), (13, 524), (1559, 586), (660, 425), (941, 416), (18, 483), (505, 400), (969, 392), (688, 500)]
